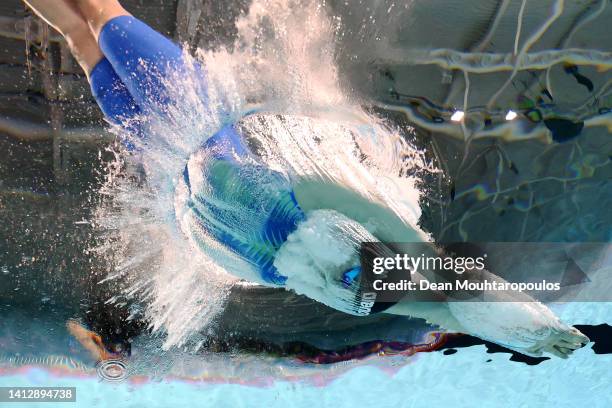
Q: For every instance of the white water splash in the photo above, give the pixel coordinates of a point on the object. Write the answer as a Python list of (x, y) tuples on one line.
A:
[(307, 126)]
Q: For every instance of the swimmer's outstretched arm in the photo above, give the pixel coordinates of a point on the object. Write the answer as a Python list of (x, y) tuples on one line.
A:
[(512, 319)]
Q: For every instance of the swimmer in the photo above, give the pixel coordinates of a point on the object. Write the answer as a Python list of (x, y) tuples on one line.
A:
[(261, 226)]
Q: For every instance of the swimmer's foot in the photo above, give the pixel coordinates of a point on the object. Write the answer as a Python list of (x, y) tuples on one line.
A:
[(561, 342)]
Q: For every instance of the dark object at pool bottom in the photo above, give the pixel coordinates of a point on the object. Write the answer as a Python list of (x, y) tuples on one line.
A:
[(563, 130), (600, 335)]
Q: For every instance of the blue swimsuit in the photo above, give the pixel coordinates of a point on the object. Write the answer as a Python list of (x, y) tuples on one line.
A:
[(249, 208)]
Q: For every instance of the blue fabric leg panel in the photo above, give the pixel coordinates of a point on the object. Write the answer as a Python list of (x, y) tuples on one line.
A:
[(114, 99), (111, 94), (142, 58)]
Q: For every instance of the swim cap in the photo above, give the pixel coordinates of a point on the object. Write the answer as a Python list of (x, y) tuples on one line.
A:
[(321, 259)]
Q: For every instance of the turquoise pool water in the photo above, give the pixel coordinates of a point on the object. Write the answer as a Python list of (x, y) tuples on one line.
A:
[(464, 379), (470, 377)]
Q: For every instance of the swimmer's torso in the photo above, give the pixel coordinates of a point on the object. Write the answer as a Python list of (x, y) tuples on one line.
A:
[(229, 197), (240, 212)]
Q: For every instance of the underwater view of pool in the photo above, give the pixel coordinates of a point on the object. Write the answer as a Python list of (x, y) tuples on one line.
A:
[(202, 219)]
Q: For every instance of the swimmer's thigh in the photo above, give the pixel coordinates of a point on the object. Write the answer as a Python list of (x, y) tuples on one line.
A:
[(143, 59), (113, 97)]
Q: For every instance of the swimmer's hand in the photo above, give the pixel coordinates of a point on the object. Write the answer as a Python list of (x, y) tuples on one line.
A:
[(561, 342), (530, 328), (91, 341)]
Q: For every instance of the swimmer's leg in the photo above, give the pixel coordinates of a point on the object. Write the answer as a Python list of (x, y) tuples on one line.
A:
[(116, 102), (143, 58), (99, 12), (68, 22), (110, 92)]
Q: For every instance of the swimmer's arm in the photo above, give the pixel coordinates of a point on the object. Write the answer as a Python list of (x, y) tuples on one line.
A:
[(436, 313), (421, 305)]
